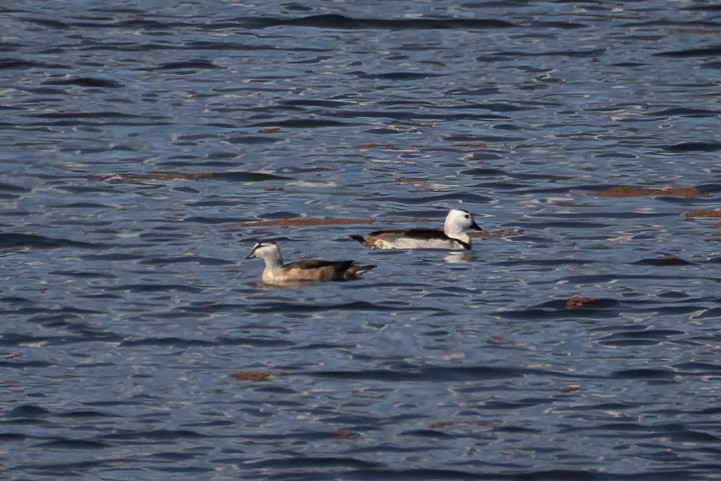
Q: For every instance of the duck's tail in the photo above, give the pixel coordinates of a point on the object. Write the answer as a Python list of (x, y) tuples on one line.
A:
[(356, 270), (358, 238)]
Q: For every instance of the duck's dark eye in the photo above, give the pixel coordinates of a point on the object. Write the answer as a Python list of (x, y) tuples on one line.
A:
[(467, 216)]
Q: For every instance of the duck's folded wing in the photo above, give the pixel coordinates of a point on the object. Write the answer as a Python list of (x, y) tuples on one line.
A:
[(319, 270), (319, 264), (416, 233)]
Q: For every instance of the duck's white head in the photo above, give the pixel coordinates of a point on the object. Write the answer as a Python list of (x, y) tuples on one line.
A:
[(457, 221), (266, 250)]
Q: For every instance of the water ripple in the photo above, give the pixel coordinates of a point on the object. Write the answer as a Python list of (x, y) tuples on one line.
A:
[(146, 149)]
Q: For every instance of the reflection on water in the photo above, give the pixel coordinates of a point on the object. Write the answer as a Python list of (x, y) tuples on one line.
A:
[(145, 149), (459, 257)]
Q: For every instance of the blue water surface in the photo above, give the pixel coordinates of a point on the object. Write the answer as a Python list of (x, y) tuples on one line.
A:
[(146, 146)]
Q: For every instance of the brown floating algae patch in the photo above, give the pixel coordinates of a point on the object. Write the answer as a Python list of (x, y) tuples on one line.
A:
[(303, 222), (628, 191), (294, 222), (577, 302), (376, 146), (411, 180), (498, 233), (254, 376), (570, 388), (713, 213)]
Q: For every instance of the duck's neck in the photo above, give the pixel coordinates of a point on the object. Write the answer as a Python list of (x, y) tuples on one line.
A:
[(273, 262), (456, 233)]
